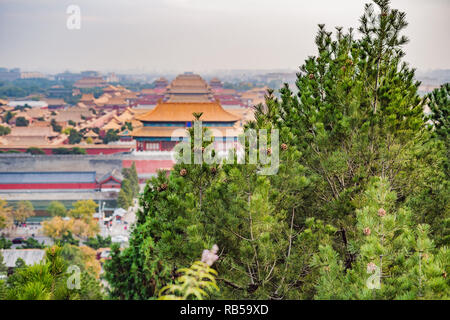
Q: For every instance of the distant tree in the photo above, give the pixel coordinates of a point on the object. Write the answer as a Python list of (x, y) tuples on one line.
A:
[(131, 175), (99, 242), (22, 108), (5, 243), (74, 136), (85, 228), (57, 208), (22, 122), (4, 130), (57, 227), (23, 210), (72, 123), (9, 115), (6, 219), (83, 209), (111, 136), (75, 150), (67, 238), (56, 127), (3, 267), (72, 100), (32, 243), (34, 150), (125, 197)]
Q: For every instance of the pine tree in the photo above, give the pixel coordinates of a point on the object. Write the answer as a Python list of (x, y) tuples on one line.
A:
[(357, 114), (158, 244), (395, 258)]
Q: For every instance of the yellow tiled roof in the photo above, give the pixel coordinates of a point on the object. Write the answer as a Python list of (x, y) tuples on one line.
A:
[(182, 111), (180, 132)]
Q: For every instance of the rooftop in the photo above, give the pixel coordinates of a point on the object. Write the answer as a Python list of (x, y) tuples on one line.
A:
[(182, 112)]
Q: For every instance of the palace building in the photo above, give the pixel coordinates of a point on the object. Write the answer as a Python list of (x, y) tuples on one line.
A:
[(166, 125), (188, 87)]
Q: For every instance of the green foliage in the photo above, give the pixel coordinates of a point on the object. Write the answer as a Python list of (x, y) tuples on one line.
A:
[(74, 137), (439, 103), (5, 243), (22, 122), (55, 126), (67, 238), (4, 130), (129, 187), (48, 281), (34, 150), (9, 115), (194, 283), (21, 88), (3, 267), (72, 100), (157, 245), (57, 208), (131, 175), (75, 150), (111, 136), (99, 242), (32, 243), (23, 210), (395, 258), (83, 209)]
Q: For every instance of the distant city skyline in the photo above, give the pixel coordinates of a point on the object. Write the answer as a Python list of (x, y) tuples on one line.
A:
[(203, 36)]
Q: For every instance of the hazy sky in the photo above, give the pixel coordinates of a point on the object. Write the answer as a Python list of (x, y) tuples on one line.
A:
[(197, 35)]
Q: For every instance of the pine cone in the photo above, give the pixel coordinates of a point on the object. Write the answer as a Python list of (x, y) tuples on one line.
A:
[(366, 231), (371, 267), (162, 187), (311, 76), (381, 212), (213, 170), (284, 146), (269, 151), (183, 172)]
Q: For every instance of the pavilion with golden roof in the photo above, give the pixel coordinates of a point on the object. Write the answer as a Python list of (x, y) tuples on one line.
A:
[(165, 125)]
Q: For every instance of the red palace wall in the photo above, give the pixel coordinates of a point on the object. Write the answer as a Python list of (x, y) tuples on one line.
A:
[(93, 151), (37, 186)]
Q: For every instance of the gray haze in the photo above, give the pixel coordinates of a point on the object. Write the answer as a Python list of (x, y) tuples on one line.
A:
[(197, 35)]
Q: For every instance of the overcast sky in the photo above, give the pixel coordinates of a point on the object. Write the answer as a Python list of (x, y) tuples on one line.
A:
[(197, 35)]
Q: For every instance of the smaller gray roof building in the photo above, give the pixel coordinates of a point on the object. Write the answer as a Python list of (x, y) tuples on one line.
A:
[(30, 256), (47, 177)]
